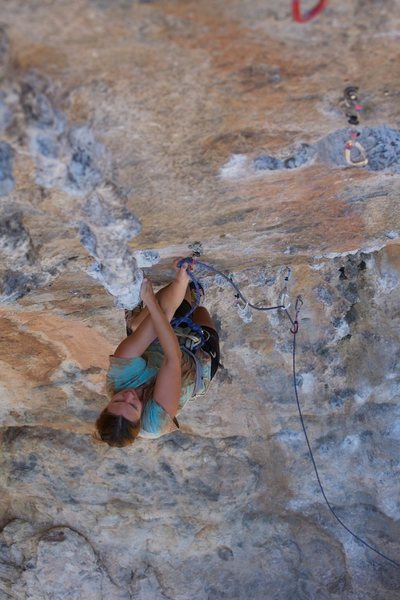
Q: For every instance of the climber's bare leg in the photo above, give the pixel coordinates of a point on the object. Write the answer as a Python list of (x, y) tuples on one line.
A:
[(135, 321), (201, 316), (167, 300)]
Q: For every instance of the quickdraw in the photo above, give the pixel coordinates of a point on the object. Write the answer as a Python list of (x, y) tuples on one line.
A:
[(309, 15), (284, 299), (354, 152), (352, 104), (361, 160)]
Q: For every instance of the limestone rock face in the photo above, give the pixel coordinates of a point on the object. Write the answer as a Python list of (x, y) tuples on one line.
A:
[(134, 132)]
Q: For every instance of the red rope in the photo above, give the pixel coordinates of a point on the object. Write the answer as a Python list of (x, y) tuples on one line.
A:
[(308, 16)]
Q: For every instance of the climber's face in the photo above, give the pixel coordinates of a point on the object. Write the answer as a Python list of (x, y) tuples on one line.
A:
[(126, 404)]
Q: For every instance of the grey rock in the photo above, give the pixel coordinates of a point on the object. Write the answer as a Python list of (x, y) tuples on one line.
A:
[(117, 164), (84, 171), (6, 168)]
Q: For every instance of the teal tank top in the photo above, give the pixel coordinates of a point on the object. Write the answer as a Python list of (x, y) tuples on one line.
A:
[(127, 373)]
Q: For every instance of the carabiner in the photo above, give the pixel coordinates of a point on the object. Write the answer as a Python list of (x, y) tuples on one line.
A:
[(351, 95), (352, 104), (245, 313), (284, 301), (309, 15), (288, 273), (362, 161), (298, 305)]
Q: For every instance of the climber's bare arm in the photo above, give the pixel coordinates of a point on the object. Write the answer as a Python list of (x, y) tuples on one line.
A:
[(168, 300), (165, 333), (169, 297), (168, 382), (167, 390), (155, 325)]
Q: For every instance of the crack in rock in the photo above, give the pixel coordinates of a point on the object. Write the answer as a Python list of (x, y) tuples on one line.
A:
[(38, 564), (15, 242)]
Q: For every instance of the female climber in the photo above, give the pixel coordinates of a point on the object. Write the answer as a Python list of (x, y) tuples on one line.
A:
[(153, 373)]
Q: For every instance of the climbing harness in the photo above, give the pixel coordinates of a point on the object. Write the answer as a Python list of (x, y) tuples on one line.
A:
[(310, 14), (294, 331), (186, 319), (189, 339), (354, 152), (199, 382)]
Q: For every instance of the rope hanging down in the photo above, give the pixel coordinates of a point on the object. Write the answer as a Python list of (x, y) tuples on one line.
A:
[(339, 520), (293, 330)]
